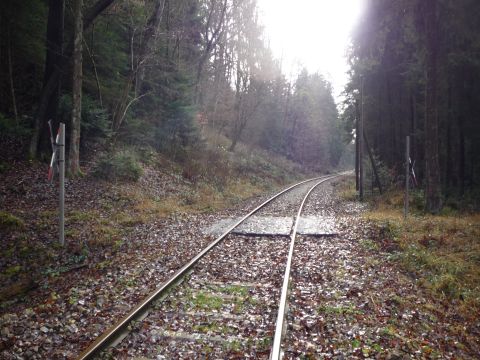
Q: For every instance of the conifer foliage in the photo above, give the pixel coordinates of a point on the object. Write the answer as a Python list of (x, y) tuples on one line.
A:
[(419, 64), (156, 72)]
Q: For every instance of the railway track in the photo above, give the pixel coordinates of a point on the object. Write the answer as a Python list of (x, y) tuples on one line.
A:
[(228, 306)]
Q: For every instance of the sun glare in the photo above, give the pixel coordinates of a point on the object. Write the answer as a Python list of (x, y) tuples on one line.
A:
[(312, 34)]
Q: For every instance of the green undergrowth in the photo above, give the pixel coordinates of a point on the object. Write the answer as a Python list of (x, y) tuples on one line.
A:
[(443, 251), (118, 166), (132, 182), (211, 179)]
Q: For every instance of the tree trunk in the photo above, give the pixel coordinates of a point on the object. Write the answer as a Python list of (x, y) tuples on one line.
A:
[(433, 197), (10, 75), (50, 84), (74, 153), (461, 159), (54, 54), (413, 125), (48, 106)]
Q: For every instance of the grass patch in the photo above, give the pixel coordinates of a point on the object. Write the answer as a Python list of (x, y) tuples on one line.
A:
[(442, 250), (214, 327), (206, 301), (97, 229), (340, 310), (105, 235), (264, 343), (203, 198), (346, 189), (81, 216), (369, 244), (234, 290)]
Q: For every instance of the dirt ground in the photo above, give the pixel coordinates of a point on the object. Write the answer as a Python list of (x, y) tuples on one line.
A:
[(348, 300)]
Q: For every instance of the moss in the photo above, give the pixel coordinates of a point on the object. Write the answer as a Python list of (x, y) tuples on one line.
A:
[(9, 222), (12, 270)]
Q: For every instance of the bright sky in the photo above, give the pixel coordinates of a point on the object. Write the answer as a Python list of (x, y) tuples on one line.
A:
[(313, 33)]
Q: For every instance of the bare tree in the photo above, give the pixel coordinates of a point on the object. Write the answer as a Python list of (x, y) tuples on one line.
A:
[(211, 34), (136, 65), (248, 86)]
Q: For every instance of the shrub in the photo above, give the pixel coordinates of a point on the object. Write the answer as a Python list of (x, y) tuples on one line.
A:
[(120, 166), (387, 179)]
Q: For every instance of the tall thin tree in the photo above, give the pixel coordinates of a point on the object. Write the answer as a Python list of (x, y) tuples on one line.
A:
[(74, 152), (433, 197)]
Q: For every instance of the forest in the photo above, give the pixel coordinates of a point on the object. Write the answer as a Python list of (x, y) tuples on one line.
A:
[(160, 74), (418, 65), (157, 74)]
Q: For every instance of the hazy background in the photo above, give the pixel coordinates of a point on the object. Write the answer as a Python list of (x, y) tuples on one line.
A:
[(310, 33)]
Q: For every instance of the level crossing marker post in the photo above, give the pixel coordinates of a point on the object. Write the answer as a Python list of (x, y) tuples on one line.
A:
[(407, 175)]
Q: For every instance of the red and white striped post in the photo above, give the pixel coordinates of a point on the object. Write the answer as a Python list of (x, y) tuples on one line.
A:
[(57, 163), (407, 176)]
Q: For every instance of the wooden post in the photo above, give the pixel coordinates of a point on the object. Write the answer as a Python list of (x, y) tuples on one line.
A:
[(61, 160), (407, 175), (360, 143)]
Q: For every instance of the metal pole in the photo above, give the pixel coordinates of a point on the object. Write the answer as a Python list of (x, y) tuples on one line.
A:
[(357, 154), (407, 174), (360, 143), (61, 161)]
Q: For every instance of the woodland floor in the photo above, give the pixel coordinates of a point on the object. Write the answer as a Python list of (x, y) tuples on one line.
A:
[(351, 300)]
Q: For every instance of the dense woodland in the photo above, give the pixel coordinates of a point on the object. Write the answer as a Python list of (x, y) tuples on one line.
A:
[(160, 73), (418, 62), (157, 73)]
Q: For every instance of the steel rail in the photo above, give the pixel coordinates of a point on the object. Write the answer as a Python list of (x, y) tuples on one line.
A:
[(276, 352), (109, 336)]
